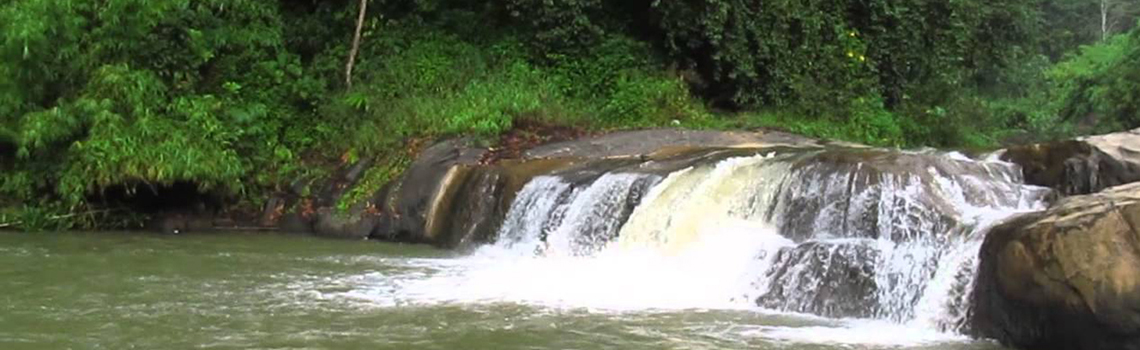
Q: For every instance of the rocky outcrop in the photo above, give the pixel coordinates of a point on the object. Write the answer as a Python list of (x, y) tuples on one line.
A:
[(1065, 278), (451, 197), (407, 205), (1081, 166), (400, 211), (316, 214), (473, 209), (1068, 277)]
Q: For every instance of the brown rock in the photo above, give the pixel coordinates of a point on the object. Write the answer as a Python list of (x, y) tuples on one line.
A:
[(1065, 278), (1081, 166)]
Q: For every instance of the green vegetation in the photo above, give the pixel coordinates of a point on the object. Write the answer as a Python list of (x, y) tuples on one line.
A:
[(242, 97), (1101, 85)]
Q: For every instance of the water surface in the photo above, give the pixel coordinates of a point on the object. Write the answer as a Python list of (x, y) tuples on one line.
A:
[(259, 291)]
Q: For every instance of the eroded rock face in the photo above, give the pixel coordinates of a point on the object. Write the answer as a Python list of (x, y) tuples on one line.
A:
[(1065, 278), (1081, 166), (470, 211)]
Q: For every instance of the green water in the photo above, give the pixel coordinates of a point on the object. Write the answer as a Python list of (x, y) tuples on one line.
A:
[(257, 291)]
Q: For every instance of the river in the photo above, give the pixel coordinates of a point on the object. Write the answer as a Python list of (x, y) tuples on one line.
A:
[(267, 291)]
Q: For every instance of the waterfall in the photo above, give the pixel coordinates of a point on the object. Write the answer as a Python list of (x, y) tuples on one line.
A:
[(869, 234), (693, 200), (555, 217)]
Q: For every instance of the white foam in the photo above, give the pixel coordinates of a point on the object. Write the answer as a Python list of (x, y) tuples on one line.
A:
[(714, 273)]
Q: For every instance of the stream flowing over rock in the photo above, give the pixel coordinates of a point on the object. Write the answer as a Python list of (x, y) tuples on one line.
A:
[(929, 239), (857, 232)]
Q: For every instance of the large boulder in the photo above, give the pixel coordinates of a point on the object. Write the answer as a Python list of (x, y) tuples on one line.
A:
[(1081, 166), (1064, 278), (407, 206)]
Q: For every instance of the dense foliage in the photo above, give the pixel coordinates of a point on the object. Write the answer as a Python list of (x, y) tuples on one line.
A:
[(242, 97), (100, 93), (1100, 87)]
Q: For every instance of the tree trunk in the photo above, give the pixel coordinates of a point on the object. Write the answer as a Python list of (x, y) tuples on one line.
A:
[(355, 44), (1104, 7)]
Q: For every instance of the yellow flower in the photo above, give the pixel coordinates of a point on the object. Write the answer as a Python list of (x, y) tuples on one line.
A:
[(862, 58), (850, 54)]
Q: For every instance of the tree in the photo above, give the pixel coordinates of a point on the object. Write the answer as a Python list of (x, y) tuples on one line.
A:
[(792, 53), (355, 44), (1115, 14)]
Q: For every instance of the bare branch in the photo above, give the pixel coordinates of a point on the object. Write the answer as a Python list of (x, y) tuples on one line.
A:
[(355, 44)]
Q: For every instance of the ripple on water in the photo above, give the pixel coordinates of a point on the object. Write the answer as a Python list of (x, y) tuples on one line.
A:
[(23, 252)]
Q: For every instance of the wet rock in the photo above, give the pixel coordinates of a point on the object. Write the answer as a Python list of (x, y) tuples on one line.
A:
[(866, 193), (518, 173), (826, 279), (1081, 166), (355, 224), (1065, 278), (448, 198), (604, 207), (475, 211)]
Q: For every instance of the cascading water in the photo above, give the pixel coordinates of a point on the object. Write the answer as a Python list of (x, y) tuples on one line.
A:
[(884, 237), (888, 236), (552, 216)]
